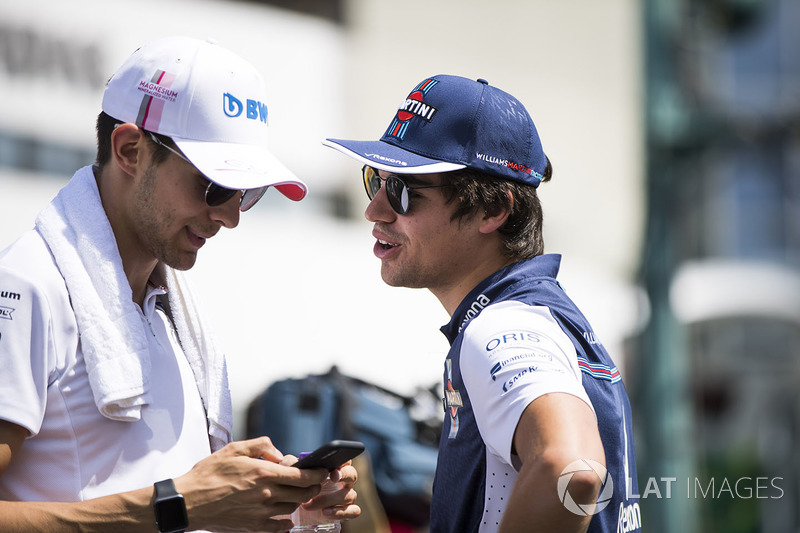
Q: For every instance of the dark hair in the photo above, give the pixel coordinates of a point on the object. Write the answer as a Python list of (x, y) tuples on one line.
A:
[(105, 126), (475, 191)]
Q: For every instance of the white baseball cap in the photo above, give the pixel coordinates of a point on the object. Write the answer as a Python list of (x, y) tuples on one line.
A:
[(211, 103)]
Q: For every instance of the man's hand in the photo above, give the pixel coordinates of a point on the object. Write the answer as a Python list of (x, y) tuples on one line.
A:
[(242, 487), (339, 504)]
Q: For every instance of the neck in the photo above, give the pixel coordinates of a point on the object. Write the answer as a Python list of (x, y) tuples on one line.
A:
[(137, 267), (138, 278), (451, 296)]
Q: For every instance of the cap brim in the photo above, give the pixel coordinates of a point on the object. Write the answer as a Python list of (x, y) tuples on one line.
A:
[(388, 157), (242, 166)]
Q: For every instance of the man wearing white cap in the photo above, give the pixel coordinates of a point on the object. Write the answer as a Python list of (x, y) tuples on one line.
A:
[(114, 400), (537, 433)]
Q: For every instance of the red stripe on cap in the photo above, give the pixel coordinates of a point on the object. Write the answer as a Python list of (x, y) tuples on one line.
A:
[(292, 191), (155, 106)]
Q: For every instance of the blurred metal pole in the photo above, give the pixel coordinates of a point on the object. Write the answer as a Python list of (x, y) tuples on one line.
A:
[(667, 423)]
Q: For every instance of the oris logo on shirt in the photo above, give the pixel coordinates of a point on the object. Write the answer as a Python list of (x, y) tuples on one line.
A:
[(512, 338)]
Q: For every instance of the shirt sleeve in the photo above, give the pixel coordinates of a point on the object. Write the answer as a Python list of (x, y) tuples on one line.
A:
[(511, 354), (25, 348)]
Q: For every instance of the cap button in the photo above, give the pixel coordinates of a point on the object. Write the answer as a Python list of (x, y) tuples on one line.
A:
[(483, 81)]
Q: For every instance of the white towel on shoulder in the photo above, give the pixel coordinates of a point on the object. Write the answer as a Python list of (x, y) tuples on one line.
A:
[(205, 358), (114, 342)]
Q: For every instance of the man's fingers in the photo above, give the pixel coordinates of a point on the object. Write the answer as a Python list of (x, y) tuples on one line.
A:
[(343, 513), (288, 460), (343, 496), (346, 474), (258, 448)]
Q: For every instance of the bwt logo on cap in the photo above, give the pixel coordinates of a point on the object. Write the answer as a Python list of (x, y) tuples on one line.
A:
[(233, 107), (413, 106)]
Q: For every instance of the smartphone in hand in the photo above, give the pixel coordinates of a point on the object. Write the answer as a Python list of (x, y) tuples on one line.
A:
[(331, 455)]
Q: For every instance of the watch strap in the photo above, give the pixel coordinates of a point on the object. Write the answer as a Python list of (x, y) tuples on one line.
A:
[(169, 507), (165, 489)]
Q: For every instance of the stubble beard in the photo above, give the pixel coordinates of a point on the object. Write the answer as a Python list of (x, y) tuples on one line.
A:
[(407, 276), (152, 220)]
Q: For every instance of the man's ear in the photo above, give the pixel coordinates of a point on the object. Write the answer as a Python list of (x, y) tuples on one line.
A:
[(492, 222), (127, 147)]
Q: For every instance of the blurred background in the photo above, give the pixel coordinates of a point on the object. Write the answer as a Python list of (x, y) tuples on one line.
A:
[(674, 130)]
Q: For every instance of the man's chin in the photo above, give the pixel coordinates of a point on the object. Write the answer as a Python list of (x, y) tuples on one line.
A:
[(392, 279), (184, 262)]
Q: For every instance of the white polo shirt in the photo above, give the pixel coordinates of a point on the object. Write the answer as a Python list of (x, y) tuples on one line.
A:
[(73, 452)]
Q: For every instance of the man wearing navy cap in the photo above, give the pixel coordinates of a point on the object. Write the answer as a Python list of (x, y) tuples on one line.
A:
[(537, 433)]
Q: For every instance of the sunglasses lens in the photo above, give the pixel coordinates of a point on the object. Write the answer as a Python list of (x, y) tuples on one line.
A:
[(396, 190), (372, 181), (398, 194), (216, 195), (250, 197)]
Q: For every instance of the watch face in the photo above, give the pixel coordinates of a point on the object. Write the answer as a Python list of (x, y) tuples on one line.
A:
[(171, 514)]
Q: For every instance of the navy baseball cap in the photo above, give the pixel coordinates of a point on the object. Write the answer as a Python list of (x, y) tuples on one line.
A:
[(448, 123)]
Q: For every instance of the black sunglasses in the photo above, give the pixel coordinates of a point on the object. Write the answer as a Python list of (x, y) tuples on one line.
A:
[(216, 194), (396, 188)]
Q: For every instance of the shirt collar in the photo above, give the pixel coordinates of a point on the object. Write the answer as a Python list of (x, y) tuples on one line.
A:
[(496, 285), (151, 298)]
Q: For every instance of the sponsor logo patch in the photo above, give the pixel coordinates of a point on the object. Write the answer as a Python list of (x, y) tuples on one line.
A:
[(387, 159), (502, 162), (513, 381), (474, 310), (512, 338), (252, 109), (413, 108), (515, 359), (451, 401)]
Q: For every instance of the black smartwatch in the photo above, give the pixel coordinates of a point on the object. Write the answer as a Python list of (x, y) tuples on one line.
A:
[(170, 508)]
